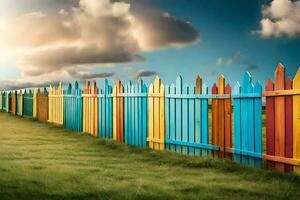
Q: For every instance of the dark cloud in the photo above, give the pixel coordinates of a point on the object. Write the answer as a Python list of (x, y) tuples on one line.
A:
[(82, 75), (252, 67), (17, 85), (145, 73)]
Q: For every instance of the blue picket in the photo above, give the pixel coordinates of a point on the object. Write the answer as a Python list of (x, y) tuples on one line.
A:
[(73, 108), (204, 120), (135, 106), (167, 115), (178, 104), (191, 121), (172, 118), (185, 120), (105, 111), (247, 122)]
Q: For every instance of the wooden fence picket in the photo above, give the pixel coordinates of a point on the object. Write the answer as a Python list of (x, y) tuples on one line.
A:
[(296, 120), (105, 111), (156, 115), (282, 119), (221, 116), (135, 111), (42, 105), (1, 100), (28, 104), (20, 103), (247, 122), (118, 112), (90, 109), (14, 102), (8, 102), (187, 130), (73, 108), (34, 104), (56, 105)]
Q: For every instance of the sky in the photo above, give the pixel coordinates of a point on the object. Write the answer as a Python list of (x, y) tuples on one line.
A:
[(44, 41)]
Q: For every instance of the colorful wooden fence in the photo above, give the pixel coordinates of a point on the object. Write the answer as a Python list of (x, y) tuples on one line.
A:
[(28, 104), (42, 105), (156, 115), (176, 117), (73, 108), (105, 109), (56, 105), (282, 121), (247, 108), (135, 111), (221, 116), (90, 109), (186, 117), (118, 112)]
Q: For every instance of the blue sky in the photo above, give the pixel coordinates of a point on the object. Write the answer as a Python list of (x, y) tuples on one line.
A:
[(225, 45)]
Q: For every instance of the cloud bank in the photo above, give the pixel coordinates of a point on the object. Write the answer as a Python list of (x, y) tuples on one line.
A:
[(280, 18), (91, 33)]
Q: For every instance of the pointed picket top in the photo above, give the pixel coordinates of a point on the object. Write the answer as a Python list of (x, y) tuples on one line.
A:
[(221, 82), (198, 85), (269, 85), (45, 91), (227, 89), (179, 85), (140, 83), (247, 80), (157, 85), (214, 89), (258, 87), (204, 89), (94, 88), (296, 81), (151, 89), (106, 86), (237, 88), (69, 91), (279, 77)]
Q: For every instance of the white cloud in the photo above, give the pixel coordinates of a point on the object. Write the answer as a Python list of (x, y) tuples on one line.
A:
[(280, 18), (92, 32)]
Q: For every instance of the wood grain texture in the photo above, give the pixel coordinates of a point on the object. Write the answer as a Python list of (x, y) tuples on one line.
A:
[(270, 124), (118, 115), (56, 104), (279, 115), (296, 120), (288, 124), (42, 106)]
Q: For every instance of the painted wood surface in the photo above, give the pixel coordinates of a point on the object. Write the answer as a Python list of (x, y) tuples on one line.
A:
[(118, 112), (156, 115), (73, 108), (1, 94), (221, 117), (28, 103), (135, 109), (34, 112), (42, 105), (14, 102), (296, 120), (187, 130), (56, 105), (20, 103), (105, 111), (247, 121), (90, 109)]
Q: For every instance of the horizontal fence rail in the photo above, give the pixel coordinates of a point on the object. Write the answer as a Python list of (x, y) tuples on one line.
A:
[(184, 118)]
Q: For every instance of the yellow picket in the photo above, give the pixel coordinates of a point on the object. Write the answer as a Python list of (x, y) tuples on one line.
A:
[(296, 121), (90, 109), (56, 109), (34, 115), (20, 104), (118, 109), (156, 115)]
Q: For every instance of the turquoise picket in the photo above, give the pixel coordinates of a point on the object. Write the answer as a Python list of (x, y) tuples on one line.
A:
[(4, 101), (258, 122), (247, 117), (204, 120), (73, 108), (9, 102), (28, 104), (105, 129), (186, 115), (135, 109)]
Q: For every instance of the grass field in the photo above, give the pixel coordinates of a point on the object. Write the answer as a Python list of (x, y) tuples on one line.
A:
[(41, 161)]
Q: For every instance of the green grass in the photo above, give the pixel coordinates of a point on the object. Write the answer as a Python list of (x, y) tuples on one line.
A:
[(41, 161)]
